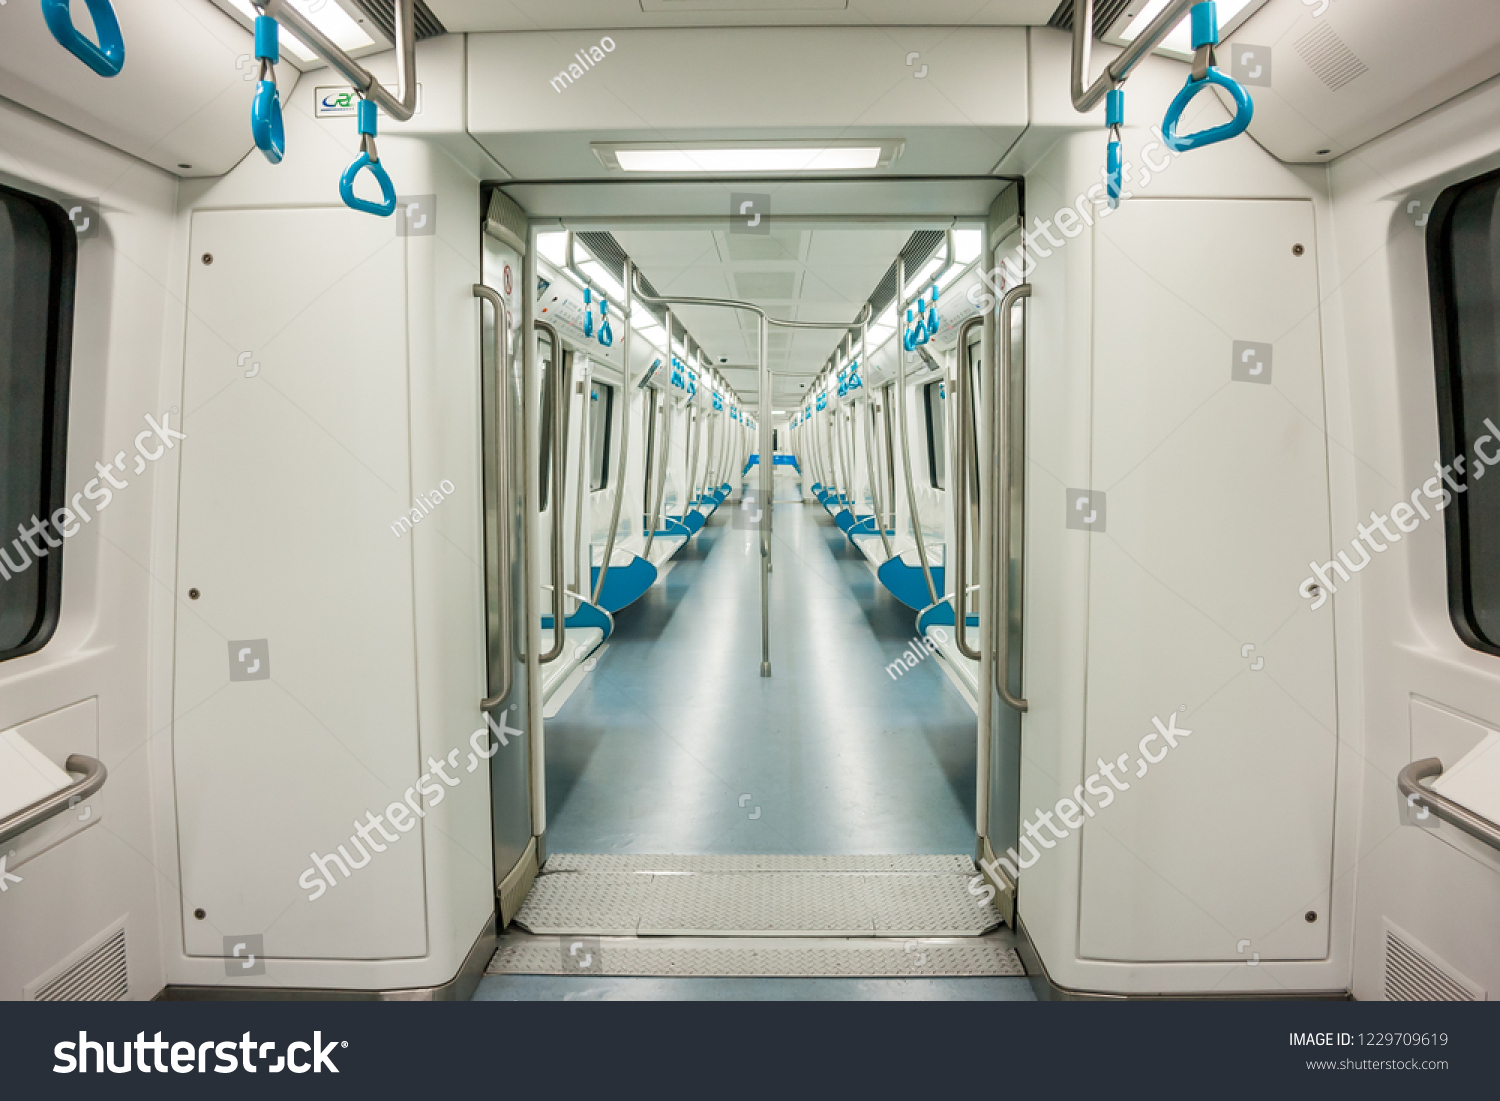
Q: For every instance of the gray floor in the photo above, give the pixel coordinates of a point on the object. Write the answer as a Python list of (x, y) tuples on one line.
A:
[(675, 744)]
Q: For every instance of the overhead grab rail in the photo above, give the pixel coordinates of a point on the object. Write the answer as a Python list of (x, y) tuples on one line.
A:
[(504, 420), (763, 423), (107, 56), (91, 776), (1409, 781), (1000, 435), (1205, 32), (372, 95)]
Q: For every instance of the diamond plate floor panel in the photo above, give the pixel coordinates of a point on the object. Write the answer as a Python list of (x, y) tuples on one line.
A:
[(751, 958), (721, 896)]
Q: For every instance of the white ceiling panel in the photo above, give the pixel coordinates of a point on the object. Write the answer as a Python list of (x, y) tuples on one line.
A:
[(535, 15)]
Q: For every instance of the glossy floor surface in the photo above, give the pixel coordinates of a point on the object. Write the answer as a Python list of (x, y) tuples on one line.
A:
[(675, 744)]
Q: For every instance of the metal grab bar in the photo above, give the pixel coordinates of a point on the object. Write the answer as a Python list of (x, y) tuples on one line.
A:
[(767, 485), (1000, 436), (961, 489), (1455, 814), (620, 464), (92, 776), (557, 426), (911, 489), (504, 419), (1115, 73), (653, 513), (403, 104)]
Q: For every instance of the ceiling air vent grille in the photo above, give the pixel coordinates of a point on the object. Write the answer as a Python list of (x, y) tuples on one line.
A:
[(1414, 974), (99, 975), (1331, 61), (1105, 14), (383, 14)]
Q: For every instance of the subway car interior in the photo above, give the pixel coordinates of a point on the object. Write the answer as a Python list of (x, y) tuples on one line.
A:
[(774, 499)]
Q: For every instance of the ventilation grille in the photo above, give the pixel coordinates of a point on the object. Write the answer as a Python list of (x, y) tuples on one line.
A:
[(1105, 13), (921, 248), (507, 220), (383, 14), (100, 976), (1331, 61), (607, 251), (1413, 974)]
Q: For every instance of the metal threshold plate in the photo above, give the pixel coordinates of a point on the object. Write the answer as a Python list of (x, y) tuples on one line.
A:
[(810, 958), (757, 896)]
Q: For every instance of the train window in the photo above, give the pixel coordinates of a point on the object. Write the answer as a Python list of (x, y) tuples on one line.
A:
[(937, 446), (601, 424), (1464, 275), (38, 250)]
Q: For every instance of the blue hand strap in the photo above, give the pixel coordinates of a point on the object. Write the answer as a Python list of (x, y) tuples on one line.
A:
[(106, 58), (266, 124), (606, 335), (1205, 38), (382, 209), (1114, 118)]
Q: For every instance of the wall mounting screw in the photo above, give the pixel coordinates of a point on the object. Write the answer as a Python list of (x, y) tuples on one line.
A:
[(194, 594), (208, 258), (1298, 250), (1311, 916), (200, 914)]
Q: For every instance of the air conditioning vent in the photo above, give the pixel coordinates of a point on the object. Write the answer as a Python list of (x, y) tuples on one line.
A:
[(383, 12), (1415, 974), (98, 974), (1331, 61)]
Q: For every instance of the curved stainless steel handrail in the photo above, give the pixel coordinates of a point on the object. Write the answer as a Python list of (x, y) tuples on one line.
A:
[(1086, 99), (664, 460), (1001, 438), (624, 456), (504, 419), (558, 429), (400, 106), (911, 489), (767, 459), (92, 775), (961, 492), (1455, 814)]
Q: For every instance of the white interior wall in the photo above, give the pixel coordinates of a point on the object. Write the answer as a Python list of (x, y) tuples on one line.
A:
[(439, 361), (1433, 883), (127, 310)]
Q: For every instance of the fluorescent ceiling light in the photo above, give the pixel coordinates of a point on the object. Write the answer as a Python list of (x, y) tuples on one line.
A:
[(968, 243), (1180, 41), (554, 246), (735, 158), (602, 280), (328, 17)]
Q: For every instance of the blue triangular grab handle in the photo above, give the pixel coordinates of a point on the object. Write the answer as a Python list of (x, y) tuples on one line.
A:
[(107, 57)]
